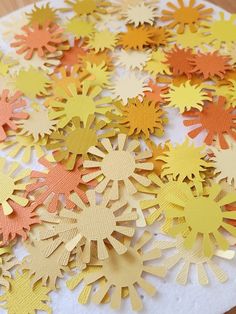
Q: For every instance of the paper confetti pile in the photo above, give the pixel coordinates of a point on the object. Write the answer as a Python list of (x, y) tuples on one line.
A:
[(89, 89)]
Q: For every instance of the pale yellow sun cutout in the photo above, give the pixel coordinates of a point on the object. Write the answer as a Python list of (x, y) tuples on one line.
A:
[(100, 41), (79, 104), (132, 60), (140, 14), (186, 97), (199, 222), (118, 165)]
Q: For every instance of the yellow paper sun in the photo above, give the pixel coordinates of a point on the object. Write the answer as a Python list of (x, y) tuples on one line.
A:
[(157, 64), (32, 82), (186, 96), (80, 28), (118, 165), (221, 32), (203, 216), (195, 257), (6, 63), (12, 184), (42, 14), (23, 143), (127, 271), (99, 73), (100, 41), (141, 118), (185, 161), (79, 104), (192, 40), (22, 298), (132, 60), (140, 14), (181, 16), (86, 7), (89, 221), (160, 189), (75, 140)]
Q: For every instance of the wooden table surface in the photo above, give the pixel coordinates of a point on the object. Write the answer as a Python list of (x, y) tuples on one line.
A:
[(7, 6)]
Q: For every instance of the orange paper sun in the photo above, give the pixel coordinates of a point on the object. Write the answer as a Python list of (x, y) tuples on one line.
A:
[(136, 38), (183, 16), (38, 38), (216, 120)]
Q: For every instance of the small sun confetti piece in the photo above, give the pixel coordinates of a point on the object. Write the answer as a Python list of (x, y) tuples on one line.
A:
[(86, 7), (157, 92), (100, 41), (128, 86), (132, 60), (124, 271), (193, 257), (19, 223), (32, 82), (58, 182), (118, 165), (12, 183), (216, 120), (7, 263), (100, 76), (42, 15), (140, 14), (161, 36), (79, 28), (186, 97), (76, 140), (157, 64), (89, 221), (40, 267), (9, 111), (181, 16), (79, 104), (22, 298), (38, 38), (210, 64), (136, 38), (200, 222)]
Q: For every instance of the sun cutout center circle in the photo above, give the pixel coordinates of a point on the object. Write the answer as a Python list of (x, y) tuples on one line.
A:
[(122, 164), (186, 15), (195, 213)]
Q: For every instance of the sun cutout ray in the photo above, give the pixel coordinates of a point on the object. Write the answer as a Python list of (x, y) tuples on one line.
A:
[(216, 120), (57, 182), (79, 104), (75, 140), (182, 16), (118, 165), (207, 224), (34, 299), (187, 258), (12, 183), (186, 96), (126, 271), (89, 221)]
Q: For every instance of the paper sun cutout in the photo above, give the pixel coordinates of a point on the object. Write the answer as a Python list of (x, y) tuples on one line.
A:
[(132, 60), (58, 182), (118, 165), (157, 93), (185, 161), (157, 64), (222, 161), (210, 64), (100, 41), (100, 76), (33, 300), (71, 56), (7, 262), (11, 183), (79, 104), (128, 86), (140, 14), (141, 118), (179, 61), (79, 28), (76, 140), (40, 267), (89, 224), (120, 271), (181, 16), (86, 7), (136, 38), (38, 38), (38, 124), (32, 82), (216, 120), (9, 111), (19, 223), (186, 97), (192, 257), (201, 222), (42, 15)]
